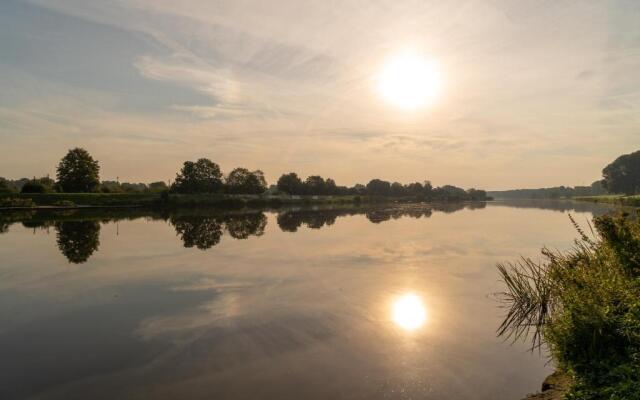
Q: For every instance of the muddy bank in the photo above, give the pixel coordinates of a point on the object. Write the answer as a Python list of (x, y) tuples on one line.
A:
[(553, 387)]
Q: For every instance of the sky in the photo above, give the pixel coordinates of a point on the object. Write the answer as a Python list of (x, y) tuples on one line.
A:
[(530, 93)]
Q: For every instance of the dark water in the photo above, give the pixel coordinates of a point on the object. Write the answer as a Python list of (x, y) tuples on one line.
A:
[(383, 303)]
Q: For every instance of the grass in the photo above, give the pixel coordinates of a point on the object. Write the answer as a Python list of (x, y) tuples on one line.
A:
[(87, 199), (584, 305), (178, 200), (189, 200), (633, 200)]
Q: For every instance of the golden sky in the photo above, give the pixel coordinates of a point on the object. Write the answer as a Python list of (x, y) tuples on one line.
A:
[(529, 93)]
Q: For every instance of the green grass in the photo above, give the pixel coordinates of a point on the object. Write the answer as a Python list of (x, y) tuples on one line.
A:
[(88, 199), (181, 200), (613, 199), (584, 305)]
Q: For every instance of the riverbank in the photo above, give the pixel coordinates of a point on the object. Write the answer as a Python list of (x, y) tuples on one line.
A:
[(553, 388), (584, 305), (162, 200), (612, 199)]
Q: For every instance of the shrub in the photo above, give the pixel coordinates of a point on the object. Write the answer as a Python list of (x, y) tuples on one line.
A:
[(584, 304), (33, 187), (16, 202), (64, 203)]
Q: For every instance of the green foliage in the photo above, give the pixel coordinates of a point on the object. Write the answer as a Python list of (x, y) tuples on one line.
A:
[(243, 181), (585, 305), (78, 172), (16, 202), (41, 185), (378, 187), (64, 203), (5, 187), (623, 174), (158, 187), (33, 187), (202, 176), (291, 184), (557, 192)]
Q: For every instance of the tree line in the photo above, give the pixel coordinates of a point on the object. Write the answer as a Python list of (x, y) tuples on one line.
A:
[(79, 172)]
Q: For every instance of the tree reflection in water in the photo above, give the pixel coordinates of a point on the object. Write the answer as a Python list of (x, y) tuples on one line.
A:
[(201, 232), (78, 240), (78, 232), (245, 225), (205, 232)]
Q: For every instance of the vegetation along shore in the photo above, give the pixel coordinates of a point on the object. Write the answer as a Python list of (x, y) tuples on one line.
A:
[(583, 305), (202, 183)]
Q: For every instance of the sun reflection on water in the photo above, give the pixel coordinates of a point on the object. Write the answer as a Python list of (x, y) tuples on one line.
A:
[(409, 312)]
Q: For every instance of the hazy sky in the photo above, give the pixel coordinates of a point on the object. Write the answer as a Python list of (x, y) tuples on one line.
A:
[(534, 93)]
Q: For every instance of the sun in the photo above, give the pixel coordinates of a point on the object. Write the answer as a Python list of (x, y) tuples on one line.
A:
[(409, 81)]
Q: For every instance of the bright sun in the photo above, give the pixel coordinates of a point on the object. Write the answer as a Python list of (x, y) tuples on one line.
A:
[(409, 81)]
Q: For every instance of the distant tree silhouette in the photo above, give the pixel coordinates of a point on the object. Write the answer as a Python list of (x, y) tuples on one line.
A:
[(4, 186), (158, 186), (33, 187), (78, 240), (290, 184), (397, 189), (623, 174), (315, 185), (78, 172), (243, 181), (202, 176), (378, 187)]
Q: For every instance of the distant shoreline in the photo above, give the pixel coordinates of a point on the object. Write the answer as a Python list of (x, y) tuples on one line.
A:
[(612, 199), (62, 201)]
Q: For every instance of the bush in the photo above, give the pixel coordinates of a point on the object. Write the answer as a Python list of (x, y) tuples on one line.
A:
[(16, 202), (33, 187), (64, 203), (585, 306)]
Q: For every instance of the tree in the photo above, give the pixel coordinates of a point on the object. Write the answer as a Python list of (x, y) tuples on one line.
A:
[(290, 183), (415, 189), (159, 186), (33, 186), (397, 189), (378, 187), (315, 185), (4, 186), (243, 181), (78, 172), (623, 175), (330, 187), (202, 176)]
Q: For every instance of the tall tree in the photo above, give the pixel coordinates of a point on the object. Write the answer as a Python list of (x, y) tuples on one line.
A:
[(378, 187), (315, 185), (243, 181), (78, 172), (202, 176), (290, 183), (623, 175)]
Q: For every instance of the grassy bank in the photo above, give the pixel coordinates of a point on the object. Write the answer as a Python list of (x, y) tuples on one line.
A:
[(612, 199), (180, 200), (584, 306)]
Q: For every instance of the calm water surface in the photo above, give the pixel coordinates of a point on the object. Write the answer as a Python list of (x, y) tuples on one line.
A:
[(385, 303)]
